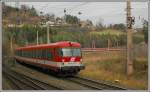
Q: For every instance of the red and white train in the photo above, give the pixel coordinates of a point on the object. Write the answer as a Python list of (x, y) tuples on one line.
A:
[(62, 57)]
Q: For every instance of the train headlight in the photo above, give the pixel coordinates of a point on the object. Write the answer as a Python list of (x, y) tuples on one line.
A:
[(63, 60)]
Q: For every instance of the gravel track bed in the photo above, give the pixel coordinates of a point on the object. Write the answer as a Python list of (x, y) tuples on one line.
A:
[(49, 79)]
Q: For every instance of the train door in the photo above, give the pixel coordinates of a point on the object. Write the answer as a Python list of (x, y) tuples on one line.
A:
[(57, 55)]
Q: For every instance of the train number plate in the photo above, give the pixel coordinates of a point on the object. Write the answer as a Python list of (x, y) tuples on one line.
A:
[(71, 63)]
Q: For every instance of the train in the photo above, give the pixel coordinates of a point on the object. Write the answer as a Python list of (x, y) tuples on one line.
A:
[(64, 57)]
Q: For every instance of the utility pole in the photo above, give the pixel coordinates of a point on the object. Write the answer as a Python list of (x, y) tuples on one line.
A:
[(108, 43), (37, 34), (48, 41), (130, 21)]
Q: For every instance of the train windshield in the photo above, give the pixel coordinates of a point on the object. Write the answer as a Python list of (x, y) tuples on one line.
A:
[(71, 52)]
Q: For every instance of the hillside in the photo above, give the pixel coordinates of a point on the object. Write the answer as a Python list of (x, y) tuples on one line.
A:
[(23, 15)]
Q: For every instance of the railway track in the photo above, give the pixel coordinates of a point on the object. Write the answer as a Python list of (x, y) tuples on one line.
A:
[(93, 84), (23, 82)]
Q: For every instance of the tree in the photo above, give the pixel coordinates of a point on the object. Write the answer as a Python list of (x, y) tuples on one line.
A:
[(50, 17), (120, 26), (89, 22), (145, 30), (71, 19), (33, 12), (99, 25)]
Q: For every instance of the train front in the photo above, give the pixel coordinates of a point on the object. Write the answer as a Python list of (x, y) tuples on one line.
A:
[(71, 58)]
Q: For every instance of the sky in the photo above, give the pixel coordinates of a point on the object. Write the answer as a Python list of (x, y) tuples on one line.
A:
[(106, 12)]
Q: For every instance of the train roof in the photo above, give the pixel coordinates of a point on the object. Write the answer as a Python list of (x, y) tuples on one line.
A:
[(61, 44)]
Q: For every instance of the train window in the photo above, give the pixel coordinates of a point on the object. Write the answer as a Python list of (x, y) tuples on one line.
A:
[(29, 54), (26, 53), (67, 51), (48, 53), (33, 54), (36, 53), (39, 53), (76, 52), (23, 53), (59, 52), (71, 52), (44, 53), (18, 53)]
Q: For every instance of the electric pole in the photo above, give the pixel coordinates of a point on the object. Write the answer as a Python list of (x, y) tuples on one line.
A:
[(130, 21), (37, 35), (48, 41)]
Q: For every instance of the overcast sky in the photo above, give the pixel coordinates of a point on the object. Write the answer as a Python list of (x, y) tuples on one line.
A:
[(107, 12)]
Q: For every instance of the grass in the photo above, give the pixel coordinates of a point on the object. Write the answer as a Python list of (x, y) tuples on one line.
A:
[(109, 31), (110, 66)]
